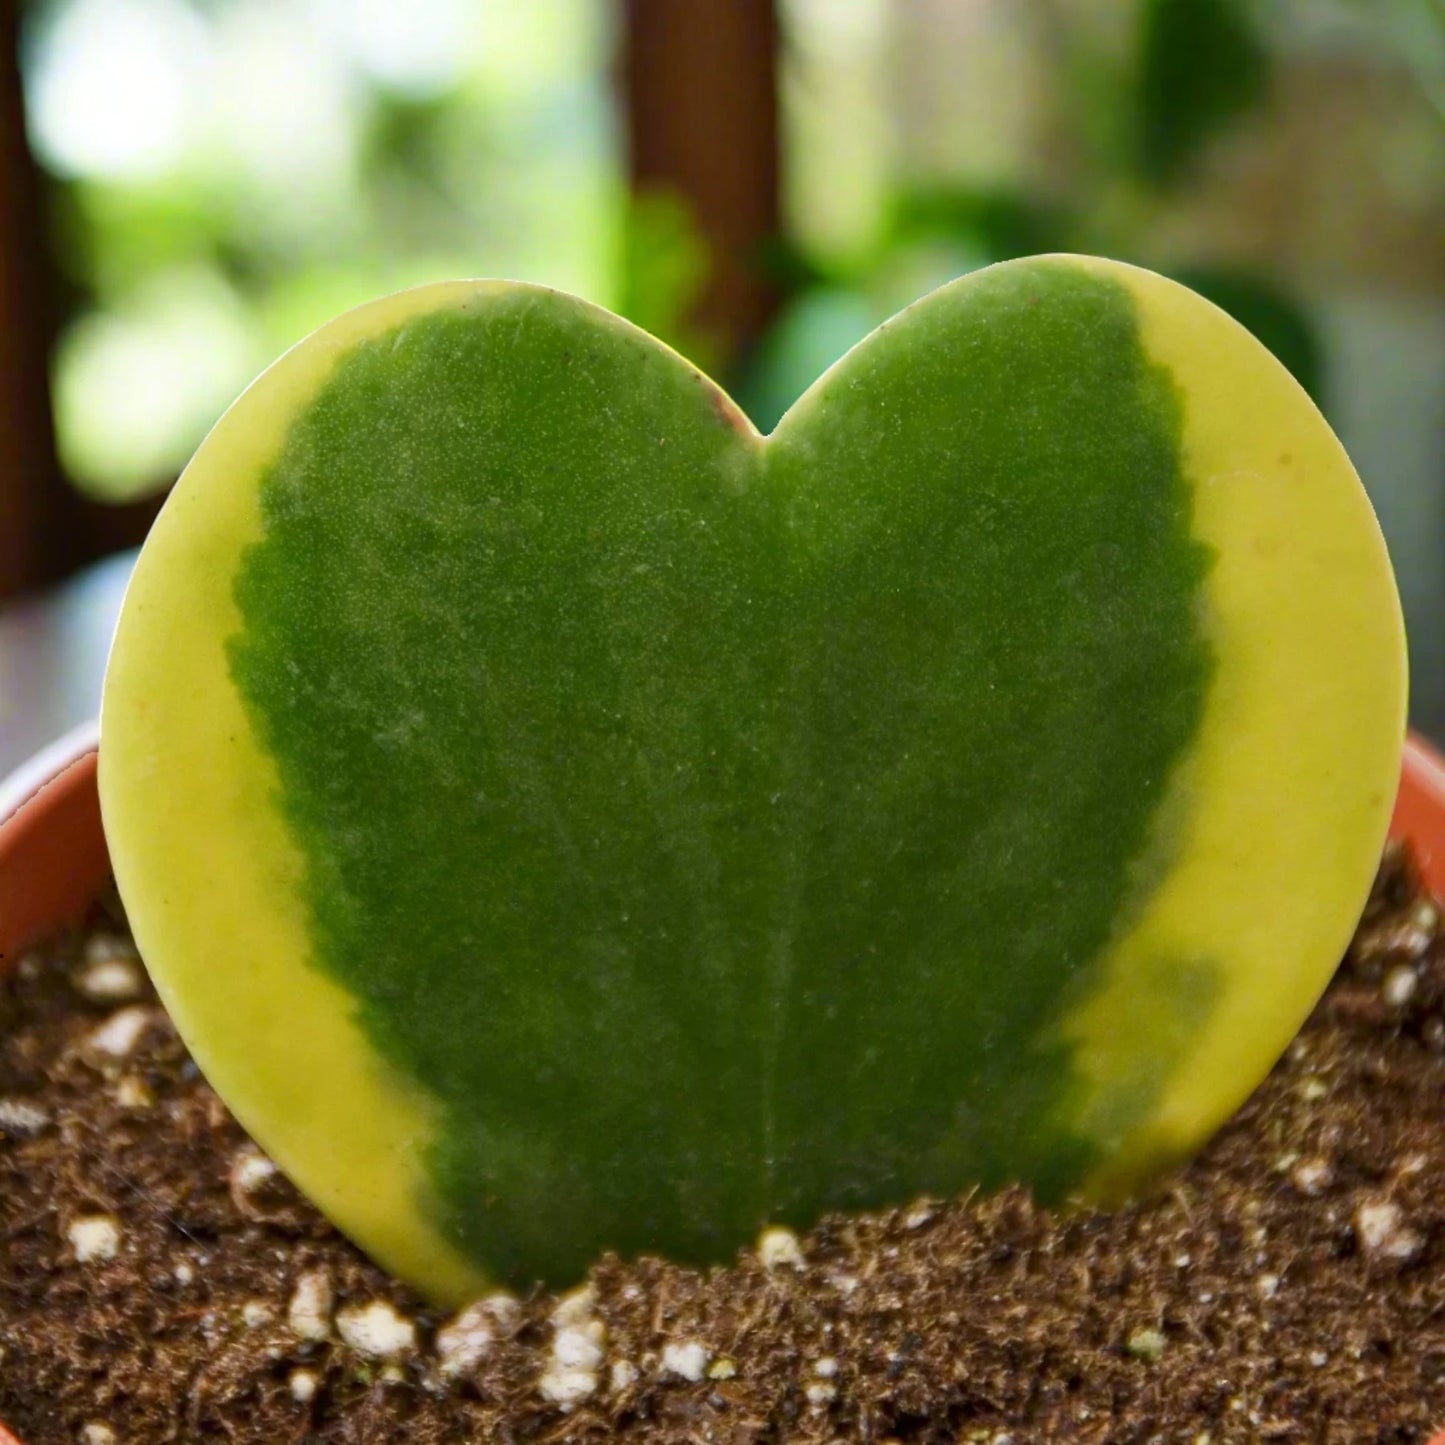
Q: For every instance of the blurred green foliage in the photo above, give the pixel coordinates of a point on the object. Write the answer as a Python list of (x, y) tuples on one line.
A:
[(309, 163), (1200, 65), (1142, 126), (228, 174)]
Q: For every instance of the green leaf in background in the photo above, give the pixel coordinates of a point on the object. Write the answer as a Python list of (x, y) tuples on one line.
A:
[(1200, 65), (810, 333), (560, 818), (999, 222)]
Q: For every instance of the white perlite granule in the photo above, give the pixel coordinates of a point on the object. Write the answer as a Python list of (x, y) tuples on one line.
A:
[(255, 1312), (22, 1119), (464, 1340), (250, 1170), (1399, 985), (94, 1237), (1414, 941), (376, 1328), (1146, 1344), (778, 1248), (120, 1033), (575, 1349), (687, 1360), (108, 947), (110, 980), (133, 1093), (624, 1374), (303, 1385), (97, 1433), (567, 1388), (1384, 1235), (309, 1313), (571, 1376), (1312, 1176)]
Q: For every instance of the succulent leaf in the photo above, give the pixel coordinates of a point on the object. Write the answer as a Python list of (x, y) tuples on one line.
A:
[(561, 819)]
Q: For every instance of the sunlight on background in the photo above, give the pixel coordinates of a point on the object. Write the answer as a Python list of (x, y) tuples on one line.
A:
[(232, 175), (110, 87)]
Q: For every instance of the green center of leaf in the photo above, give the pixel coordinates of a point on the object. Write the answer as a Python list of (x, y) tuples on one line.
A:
[(719, 829)]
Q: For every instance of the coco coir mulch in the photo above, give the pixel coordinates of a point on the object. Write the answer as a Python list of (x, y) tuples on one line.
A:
[(159, 1281)]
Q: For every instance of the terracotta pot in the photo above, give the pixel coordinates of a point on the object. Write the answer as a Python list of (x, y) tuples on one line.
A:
[(53, 860)]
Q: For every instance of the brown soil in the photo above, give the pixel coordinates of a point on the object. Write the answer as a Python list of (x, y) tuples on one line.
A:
[(158, 1284)]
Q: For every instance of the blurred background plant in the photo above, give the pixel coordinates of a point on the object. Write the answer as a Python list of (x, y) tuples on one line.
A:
[(222, 175), (226, 176)]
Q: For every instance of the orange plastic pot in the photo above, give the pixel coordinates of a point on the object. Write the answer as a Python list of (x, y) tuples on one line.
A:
[(53, 860)]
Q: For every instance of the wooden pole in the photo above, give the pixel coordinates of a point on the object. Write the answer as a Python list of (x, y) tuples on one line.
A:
[(32, 491), (701, 86)]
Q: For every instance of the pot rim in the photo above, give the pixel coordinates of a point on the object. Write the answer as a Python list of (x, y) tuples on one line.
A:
[(22, 783), (1424, 755)]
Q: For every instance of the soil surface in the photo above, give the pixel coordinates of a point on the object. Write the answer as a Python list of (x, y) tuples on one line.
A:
[(160, 1281)]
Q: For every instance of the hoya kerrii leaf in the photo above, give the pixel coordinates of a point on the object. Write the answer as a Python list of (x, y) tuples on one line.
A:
[(562, 819)]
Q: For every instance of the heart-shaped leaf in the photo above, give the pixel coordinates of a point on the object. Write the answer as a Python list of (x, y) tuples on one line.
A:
[(561, 819)]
